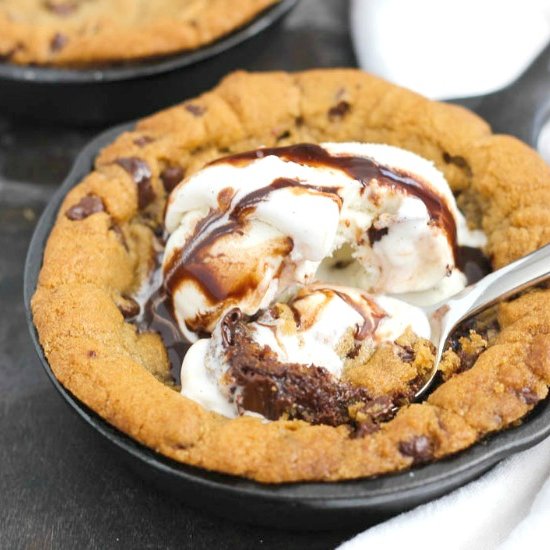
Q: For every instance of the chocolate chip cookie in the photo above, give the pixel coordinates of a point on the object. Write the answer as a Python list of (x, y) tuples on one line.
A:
[(99, 32), (115, 355)]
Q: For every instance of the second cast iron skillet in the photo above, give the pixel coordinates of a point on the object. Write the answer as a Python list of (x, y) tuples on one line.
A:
[(94, 97), (318, 506)]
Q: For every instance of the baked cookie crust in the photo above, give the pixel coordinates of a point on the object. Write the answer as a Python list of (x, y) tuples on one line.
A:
[(80, 32), (100, 249)]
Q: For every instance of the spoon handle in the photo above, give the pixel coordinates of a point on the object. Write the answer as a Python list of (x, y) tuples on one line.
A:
[(503, 283)]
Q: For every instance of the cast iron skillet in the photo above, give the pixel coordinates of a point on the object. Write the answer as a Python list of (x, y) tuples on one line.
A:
[(98, 96), (317, 506)]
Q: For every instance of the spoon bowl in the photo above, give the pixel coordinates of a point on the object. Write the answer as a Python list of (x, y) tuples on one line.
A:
[(444, 317)]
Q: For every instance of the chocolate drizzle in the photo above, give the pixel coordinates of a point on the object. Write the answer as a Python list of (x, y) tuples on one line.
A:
[(369, 310), (191, 262), (371, 315), (363, 170)]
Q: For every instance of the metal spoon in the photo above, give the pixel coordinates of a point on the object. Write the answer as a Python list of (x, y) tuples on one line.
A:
[(495, 287)]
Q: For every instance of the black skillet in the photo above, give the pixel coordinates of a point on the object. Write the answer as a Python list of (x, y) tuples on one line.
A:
[(318, 506), (99, 96)]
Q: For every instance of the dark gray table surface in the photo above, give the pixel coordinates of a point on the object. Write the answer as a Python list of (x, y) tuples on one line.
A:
[(60, 485)]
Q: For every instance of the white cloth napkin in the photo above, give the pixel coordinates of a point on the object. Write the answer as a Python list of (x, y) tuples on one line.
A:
[(506, 509)]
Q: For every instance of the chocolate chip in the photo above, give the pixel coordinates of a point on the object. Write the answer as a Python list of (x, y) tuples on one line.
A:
[(419, 448), (375, 234), (299, 121), (141, 174), (194, 109), (339, 110), (171, 176), (88, 205), (91, 353), (467, 360), (62, 9), (8, 54), (528, 396), (58, 42), (406, 354), (136, 167), (283, 135), (146, 194), (354, 352), (365, 428), (458, 161), (142, 141), (129, 308)]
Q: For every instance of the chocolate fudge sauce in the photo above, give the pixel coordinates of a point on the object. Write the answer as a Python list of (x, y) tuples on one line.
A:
[(189, 263), (156, 315), (363, 170)]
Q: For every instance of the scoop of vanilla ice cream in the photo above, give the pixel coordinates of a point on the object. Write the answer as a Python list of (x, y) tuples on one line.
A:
[(246, 228), (322, 315)]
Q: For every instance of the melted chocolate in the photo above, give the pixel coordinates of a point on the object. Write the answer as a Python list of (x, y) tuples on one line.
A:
[(157, 317), (129, 308), (307, 392), (171, 176), (363, 170), (473, 263)]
